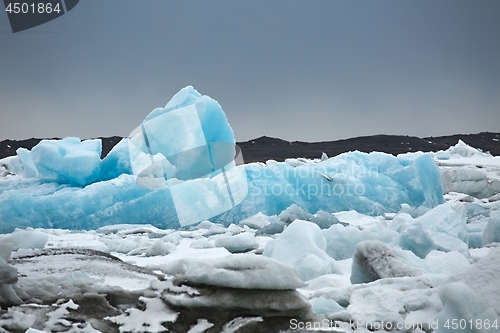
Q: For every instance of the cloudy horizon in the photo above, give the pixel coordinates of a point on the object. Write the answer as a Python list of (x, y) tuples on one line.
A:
[(297, 70)]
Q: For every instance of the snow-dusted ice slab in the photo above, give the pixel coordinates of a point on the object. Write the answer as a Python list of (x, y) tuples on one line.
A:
[(243, 271), (49, 274)]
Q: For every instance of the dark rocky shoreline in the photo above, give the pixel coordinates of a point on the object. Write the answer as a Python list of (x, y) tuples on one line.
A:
[(266, 148)]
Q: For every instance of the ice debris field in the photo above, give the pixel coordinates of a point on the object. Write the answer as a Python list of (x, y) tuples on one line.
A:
[(173, 232)]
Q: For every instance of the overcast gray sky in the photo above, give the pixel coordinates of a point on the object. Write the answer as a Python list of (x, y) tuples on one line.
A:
[(308, 70)]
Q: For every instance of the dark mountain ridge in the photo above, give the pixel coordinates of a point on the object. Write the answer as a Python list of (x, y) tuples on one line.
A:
[(266, 148)]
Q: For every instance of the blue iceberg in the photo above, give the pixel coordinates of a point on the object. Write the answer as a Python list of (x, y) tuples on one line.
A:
[(178, 168), (372, 184)]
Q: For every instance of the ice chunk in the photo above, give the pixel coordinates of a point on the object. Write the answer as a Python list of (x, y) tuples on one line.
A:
[(117, 161), (446, 262), (323, 305), (400, 302), (234, 229), (121, 245), (18, 321), (464, 180), (474, 210), (29, 169), (29, 239), (409, 302), (8, 274), (244, 271), (9, 165), (68, 161), (201, 326), (215, 229), (492, 231), (441, 228), (231, 309), (234, 325), (464, 150), (33, 330), (302, 245), (292, 213), (442, 155), (463, 310), (272, 228), (416, 239), (322, 218), (448, 218), (374, 260), (342, 240), (202, 244), (50, 274), (258, 221), (240, 243), (6, 246), (159, 248)]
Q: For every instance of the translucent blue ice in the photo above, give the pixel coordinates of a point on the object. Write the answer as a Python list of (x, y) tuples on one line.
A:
[(372, 184), (368, 183), (177, 169)]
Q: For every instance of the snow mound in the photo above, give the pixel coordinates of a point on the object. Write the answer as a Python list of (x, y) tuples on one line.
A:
[(236, 244)]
